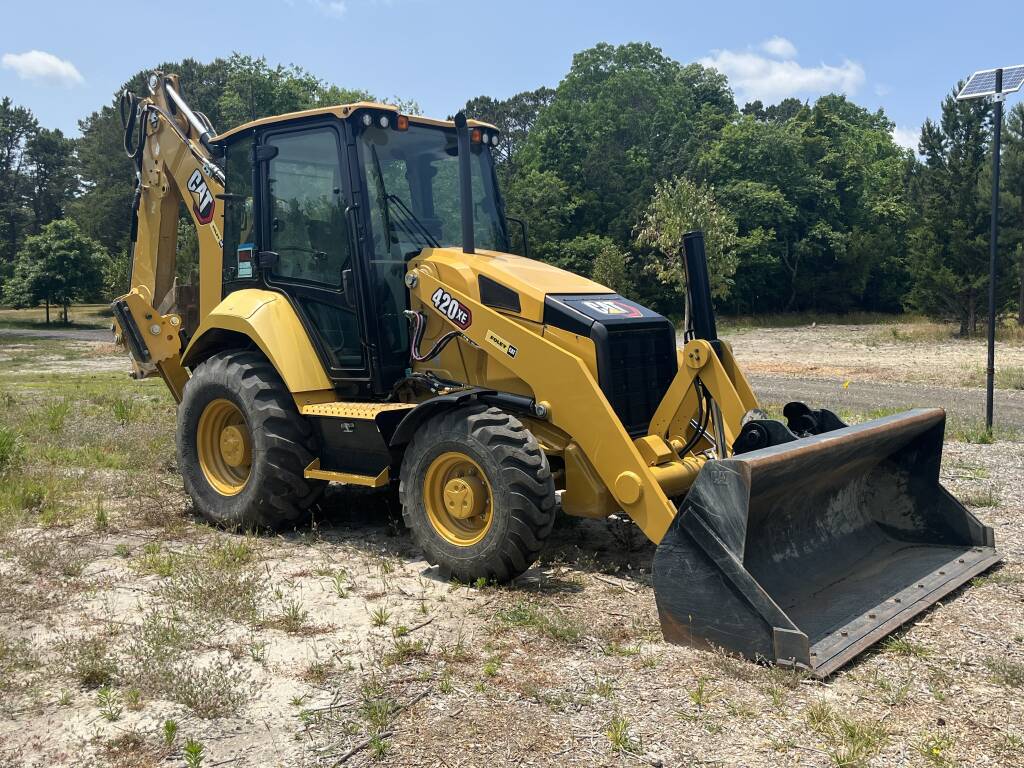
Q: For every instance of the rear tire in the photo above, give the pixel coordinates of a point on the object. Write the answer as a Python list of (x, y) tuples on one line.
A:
[(494, 453), (258, 485)]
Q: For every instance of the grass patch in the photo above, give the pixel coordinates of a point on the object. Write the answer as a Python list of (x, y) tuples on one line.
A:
[(981, 497), (1011, 377), (15, 656), (404, 649), (554, 625), (901, 646), (220, 581), (619, 736), (91, 661), (1006, 672), (163, 664), (848, 743)]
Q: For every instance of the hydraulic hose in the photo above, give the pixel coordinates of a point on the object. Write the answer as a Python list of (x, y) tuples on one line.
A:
[(419, 326)]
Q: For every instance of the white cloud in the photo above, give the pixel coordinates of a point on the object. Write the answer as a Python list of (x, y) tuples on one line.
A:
[(779, 46), (906, 137), (755, 76), (335, 8), (42, 67)]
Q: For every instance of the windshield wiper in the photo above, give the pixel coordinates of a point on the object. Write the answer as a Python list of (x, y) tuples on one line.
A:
[(410, 223)]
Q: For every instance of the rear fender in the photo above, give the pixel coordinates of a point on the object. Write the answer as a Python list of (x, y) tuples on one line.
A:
[(267, 320)]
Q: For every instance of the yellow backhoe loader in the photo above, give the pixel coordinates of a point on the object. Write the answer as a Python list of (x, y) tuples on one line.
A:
[(358, 318)]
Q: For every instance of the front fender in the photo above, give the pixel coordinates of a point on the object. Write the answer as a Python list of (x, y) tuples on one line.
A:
[(269, 321)]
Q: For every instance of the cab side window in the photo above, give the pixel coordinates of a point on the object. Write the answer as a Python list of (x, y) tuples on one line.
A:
[(239, 221), (308, 229)]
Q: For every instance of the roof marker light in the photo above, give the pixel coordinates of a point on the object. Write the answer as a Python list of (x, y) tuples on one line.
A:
[(402, 122), (367, 119), (383, 121)]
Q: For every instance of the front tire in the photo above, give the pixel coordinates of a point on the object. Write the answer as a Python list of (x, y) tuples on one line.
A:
[(477, 493), (242, 445)]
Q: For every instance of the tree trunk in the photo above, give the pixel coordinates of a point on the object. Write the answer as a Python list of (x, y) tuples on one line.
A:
[(65, 308), (972, 315), (47, 309)]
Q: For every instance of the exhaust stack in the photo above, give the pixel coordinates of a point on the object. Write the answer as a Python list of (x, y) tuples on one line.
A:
[(465, 184)]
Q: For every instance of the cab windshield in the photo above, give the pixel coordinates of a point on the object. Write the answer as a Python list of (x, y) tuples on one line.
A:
[(412, 178)]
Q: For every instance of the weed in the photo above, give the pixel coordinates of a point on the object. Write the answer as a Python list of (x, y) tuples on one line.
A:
[(935, 748), (133, 699), (100, 517), (123, 550), (294, 616), (618, 735), (555, 626), (1006, 672), (894, 691), (194, 753), (340, 585), (378, 711), (445, 685), (1009, 743), (404, 650), (985, 497), (65, 698), (901, 646), (1011, 377), (124, 410), (1001, 575), (491, 667), (257, 650), (218, 581), (379, 747), (91, 662), (15, 655), (849, 743), (380, 616), (157, 562), (702, 694), (55, 414), (162, 666), (820, 715), (602, 688), (169, 732), (109, 702), (614, 648), (12, 449)]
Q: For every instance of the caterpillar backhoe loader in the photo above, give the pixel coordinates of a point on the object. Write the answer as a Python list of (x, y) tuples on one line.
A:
[(359, 319)]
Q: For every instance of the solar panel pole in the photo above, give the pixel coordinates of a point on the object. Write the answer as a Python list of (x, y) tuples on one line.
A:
[(993, 249)]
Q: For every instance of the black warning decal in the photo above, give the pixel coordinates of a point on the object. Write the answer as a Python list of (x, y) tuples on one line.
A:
[(452, 309), (202, 199)]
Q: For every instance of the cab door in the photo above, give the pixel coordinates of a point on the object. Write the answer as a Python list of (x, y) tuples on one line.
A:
[(306, 199)]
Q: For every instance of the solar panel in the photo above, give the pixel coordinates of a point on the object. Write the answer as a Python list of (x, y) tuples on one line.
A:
[(983, 83)]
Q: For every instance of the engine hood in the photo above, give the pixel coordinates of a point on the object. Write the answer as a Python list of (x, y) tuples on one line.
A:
[(510, 283)]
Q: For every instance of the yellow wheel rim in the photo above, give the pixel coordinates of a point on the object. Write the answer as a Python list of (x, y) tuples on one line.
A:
[(458, 499), (224, 446)]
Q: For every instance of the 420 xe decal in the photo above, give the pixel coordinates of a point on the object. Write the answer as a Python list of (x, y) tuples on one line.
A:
[(450, 307)]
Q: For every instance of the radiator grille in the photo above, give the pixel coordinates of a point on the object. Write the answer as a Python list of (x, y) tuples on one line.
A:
[(636, 372)]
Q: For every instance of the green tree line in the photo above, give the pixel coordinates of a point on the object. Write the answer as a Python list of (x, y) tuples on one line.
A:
[(806, 206)]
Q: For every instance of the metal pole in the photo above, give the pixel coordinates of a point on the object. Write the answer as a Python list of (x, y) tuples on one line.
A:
[(993, 248)]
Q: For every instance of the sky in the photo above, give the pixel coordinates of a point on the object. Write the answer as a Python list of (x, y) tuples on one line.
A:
[(64, 59)]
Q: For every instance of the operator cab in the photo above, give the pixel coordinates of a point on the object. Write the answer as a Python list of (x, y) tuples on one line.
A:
[(327, 207)]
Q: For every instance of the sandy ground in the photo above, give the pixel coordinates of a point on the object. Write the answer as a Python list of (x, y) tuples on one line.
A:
[(354, 652), (876, 353)]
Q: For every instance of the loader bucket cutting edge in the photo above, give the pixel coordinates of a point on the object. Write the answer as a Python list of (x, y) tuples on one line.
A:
[(809, 552)]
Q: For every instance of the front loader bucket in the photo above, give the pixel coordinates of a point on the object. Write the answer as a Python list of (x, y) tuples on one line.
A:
[(807, 553)]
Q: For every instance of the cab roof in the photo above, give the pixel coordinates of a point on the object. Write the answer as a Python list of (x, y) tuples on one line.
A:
[(342, 111)]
